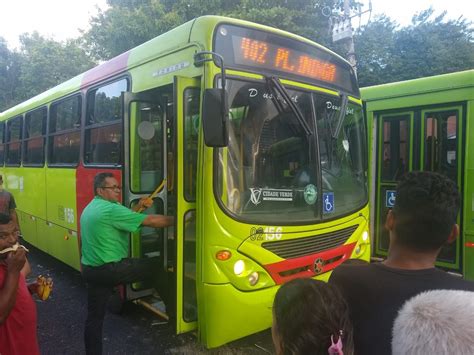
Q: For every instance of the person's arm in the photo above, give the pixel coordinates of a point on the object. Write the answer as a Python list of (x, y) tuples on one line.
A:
[(158, 221), (15, 261), (26, 270)]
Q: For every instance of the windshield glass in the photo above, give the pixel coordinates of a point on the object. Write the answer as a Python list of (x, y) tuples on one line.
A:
[(344, 187), (270, 171)]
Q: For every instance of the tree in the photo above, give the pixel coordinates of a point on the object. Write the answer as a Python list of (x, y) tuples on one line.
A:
[(374, 48), (46, 63), (9, 76), (429, 46), (128, 23)]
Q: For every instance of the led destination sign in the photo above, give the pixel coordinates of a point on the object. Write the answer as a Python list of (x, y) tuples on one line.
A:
[(271, 54), (250, 51)]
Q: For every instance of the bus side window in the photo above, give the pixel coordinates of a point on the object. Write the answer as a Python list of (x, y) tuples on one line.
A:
[(13, 139), (64, 131), (103, 131), (35, 123)]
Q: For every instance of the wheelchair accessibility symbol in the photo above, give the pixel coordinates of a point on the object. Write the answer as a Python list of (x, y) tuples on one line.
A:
[(328, 202), (390, 196)]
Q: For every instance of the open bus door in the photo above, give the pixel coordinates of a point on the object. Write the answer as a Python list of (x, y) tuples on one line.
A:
[(145, 141), (161, 149)]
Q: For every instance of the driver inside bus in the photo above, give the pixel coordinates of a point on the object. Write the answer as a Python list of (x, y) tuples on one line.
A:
[(105, 228)]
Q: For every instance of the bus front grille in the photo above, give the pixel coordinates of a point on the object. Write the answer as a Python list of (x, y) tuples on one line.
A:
[(295, 248)]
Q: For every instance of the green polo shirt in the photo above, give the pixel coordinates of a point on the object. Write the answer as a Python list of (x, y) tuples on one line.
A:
[(104, 231)]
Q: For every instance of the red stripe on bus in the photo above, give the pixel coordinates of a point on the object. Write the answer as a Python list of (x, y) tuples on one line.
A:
[(85, 190), (469, 244), (305, 265), (113, 67)]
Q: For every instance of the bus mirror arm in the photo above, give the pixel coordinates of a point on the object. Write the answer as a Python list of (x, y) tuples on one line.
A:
[(215, 107)]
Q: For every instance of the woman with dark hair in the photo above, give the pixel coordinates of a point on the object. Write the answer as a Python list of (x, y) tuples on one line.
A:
[(311, 317)]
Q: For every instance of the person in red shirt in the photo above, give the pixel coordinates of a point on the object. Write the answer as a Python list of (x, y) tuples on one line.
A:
[(17, 307)]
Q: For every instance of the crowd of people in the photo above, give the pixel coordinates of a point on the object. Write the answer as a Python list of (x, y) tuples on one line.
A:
[(403, 305)]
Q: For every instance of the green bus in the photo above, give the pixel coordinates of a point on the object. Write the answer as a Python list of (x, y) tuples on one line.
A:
[(258, 139), (423, 124)]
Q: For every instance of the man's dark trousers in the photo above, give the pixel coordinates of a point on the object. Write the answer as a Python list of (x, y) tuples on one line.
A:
[(101, 281)]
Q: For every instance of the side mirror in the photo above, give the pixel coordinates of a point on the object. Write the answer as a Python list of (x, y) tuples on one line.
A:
[(215, 118)]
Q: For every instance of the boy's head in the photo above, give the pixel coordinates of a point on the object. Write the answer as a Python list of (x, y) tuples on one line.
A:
[(8, 232), (425, 211), (435, 322), (306, 314)]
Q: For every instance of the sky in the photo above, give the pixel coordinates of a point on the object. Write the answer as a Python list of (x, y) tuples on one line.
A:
[(62, 19)]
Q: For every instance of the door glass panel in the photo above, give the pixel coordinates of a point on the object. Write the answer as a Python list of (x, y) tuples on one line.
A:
[(191, 130), (441, 142), (396, 148), (149, 242), (189, 267), (147, 145), (441, 156)]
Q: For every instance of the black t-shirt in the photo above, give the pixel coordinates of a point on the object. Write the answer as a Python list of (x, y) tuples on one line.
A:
[(375, 293)]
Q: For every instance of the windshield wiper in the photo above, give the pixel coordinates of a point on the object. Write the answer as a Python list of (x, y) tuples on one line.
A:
[(340, 119), (276, 85)]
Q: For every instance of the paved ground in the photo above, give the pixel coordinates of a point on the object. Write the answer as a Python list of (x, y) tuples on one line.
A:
[(135, 331)]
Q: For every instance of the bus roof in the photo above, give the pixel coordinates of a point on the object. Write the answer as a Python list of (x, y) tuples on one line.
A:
[(432, 84), (195, 31)]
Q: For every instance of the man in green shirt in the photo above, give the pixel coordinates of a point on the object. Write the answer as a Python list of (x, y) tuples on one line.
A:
[(105, 226)]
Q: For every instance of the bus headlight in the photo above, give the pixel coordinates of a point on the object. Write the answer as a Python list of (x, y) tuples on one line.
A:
[(253, 278), (365, 236), (239, 267)]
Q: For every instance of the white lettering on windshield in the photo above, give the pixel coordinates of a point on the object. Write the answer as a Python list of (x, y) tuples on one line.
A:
[(331, 106), (269, 96)]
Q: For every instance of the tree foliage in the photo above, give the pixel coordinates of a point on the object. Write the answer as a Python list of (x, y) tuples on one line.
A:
[(9, 76), (38, 65), (128, 23), (431, 45), (385, 51), (46, 63)]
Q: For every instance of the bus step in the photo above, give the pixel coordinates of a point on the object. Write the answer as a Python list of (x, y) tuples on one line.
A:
[(153, 304)]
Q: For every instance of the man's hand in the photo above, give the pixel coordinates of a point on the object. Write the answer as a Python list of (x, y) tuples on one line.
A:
[(16, 260), (143, 204)]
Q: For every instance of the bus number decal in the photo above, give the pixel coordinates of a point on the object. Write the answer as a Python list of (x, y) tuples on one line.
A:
[(273, 233), (267, 233), (69, 214)]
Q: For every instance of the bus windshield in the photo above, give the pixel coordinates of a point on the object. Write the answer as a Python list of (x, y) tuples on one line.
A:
[(273, 171)]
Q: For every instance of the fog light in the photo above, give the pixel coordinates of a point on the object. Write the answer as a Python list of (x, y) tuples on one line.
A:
[(357, 250), (253, 278), (239, 267), (365, 236)]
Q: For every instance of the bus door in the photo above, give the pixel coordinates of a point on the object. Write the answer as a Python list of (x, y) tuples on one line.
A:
[(428, 139), (187, 105), (441, 152), (394, 158), (145, 169)]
